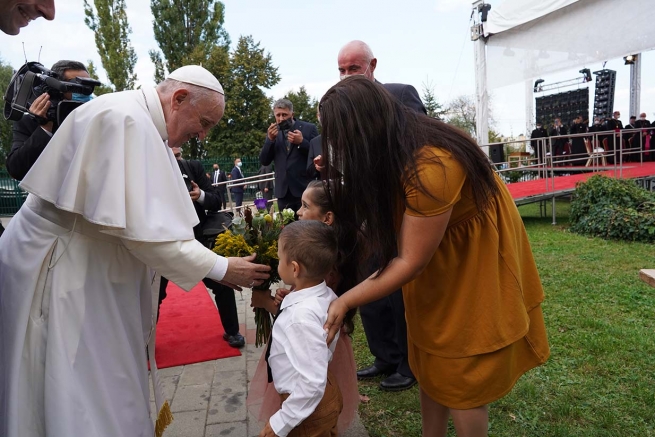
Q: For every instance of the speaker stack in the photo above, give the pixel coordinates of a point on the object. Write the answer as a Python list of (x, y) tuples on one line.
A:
[(565, 106), (604, 99)]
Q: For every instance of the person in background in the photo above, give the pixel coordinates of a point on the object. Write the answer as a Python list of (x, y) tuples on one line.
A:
[(559, 144), (537, 142), (219, 176), (646, 137), (446, 229), (236, 174), (31, 134), (578, 148), (287, 145)]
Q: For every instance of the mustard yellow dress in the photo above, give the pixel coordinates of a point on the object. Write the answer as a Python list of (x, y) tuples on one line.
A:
[(474, 319)]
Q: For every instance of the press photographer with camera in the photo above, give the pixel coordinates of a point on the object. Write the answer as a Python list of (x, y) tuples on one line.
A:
[(32, 131), (287, 144), (206, 197)]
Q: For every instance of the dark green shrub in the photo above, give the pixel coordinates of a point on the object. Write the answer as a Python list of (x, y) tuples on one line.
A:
[(614, 209)]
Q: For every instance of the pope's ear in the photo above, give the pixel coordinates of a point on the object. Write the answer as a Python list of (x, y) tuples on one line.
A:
[(179, 96)]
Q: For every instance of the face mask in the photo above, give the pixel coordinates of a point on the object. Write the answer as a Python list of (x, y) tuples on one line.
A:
[(642, 118), (343, 76), (238, 164), (81, 98)]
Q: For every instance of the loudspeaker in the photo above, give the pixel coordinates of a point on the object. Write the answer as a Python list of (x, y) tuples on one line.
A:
[(496, 153)]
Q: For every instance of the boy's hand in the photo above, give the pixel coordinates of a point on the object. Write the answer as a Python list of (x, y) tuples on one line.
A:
[(267, 431), (280, 293)]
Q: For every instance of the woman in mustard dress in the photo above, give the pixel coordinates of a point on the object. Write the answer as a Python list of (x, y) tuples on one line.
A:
[(443, 224)]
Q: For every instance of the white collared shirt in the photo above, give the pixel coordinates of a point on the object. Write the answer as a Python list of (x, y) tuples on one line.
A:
[(300, 355)]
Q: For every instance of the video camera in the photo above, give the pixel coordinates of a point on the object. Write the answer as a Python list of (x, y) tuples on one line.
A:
[(32, 80)]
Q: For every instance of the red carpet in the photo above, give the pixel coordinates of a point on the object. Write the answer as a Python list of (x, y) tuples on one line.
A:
[(189, 329)]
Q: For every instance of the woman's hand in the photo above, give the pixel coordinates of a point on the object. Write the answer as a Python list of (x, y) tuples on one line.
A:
[(336, 313)]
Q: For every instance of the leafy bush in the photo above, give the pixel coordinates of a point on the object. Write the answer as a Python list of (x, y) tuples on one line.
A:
[(614, 209)]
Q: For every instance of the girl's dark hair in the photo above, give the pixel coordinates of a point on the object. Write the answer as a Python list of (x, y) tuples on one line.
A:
[(371, 142), (347, 259)]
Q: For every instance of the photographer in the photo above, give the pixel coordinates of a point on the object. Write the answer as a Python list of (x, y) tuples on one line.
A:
[(205, 197), (31, 134), (287, 144)]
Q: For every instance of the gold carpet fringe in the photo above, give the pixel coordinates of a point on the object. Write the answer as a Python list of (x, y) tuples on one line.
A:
[(164, 418)]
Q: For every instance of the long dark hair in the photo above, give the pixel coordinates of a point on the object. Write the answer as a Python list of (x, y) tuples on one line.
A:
[(347, 260), (370, 140)]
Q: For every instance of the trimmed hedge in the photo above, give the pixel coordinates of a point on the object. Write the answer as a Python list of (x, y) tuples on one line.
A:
[(613, 209)]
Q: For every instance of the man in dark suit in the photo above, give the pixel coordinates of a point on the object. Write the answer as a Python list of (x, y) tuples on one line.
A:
[(266, 187), (31, 134), (559, 144), (614, 141), (205, 197), (537, 141), (383, 320), (287, 144), (236, 174), (219, 176)]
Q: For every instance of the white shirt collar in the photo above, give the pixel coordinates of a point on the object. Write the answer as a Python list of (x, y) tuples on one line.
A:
[(297, 296)]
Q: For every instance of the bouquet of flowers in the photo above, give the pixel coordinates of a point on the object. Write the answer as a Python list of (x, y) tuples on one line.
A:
[(257, 233)]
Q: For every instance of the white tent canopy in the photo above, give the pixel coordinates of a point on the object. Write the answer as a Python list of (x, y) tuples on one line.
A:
[(528, 39)]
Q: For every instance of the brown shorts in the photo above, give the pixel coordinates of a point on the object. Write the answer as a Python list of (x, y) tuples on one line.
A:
[(323, 421)]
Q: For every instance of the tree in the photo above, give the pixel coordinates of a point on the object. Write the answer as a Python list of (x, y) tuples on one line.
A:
[(460, 112), (242, 129), (304, 106), (6, 73), (99, 90), (432, 106), (186, 30), (109, 22)]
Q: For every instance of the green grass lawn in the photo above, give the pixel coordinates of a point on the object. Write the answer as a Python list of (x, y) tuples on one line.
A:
[(600, 378)]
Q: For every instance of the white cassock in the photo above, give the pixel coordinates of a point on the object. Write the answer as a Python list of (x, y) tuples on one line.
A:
[(107, 206)]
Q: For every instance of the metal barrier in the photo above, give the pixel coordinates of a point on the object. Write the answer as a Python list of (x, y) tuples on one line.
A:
[(246, 181), (11, 196), (598, 157)]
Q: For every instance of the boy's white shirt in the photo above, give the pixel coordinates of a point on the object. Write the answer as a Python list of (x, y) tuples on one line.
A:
[(300, 355)]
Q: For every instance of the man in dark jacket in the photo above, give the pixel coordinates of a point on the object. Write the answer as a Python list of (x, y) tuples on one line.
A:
[(287, 144), (205, 197), (537, 142)]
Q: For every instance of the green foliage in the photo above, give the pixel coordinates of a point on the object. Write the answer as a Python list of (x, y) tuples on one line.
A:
[(432, 106), (109, 22), (615, 209), (99, 90), (304, 106), (242, 130), (6, 73), (187, 31)]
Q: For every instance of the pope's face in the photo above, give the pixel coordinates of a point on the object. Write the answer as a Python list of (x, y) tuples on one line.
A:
[(15, 14), (192, 119)]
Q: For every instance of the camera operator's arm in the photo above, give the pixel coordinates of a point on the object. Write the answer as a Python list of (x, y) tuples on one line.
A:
[(208, 197), (267, 154), (29, 139)]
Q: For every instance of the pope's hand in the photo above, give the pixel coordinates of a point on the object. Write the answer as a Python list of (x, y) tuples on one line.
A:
[(195, 192), (243, 272), (267, 431), (336, 313)]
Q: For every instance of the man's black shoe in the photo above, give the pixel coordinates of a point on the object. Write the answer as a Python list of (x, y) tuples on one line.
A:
[(397, 382), (372, 372), (235, 340)]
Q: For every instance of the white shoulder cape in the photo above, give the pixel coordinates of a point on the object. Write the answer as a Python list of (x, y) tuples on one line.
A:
[(108, 162)]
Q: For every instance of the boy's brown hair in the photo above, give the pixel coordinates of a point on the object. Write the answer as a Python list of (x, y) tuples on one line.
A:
[(312, 244)]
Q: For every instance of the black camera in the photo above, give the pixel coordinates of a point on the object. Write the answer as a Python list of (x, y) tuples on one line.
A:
[(32, 80), (285, 124)]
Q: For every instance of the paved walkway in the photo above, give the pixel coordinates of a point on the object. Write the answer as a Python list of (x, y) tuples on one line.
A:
[(209, 399)]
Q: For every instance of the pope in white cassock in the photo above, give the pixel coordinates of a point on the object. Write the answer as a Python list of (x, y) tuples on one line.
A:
[(106, 208)]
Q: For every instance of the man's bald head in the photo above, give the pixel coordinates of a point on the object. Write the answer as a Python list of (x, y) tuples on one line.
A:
[(356, 57), (190, 111)]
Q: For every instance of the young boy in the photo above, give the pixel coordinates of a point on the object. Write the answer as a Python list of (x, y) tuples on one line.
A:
[(298, 354)]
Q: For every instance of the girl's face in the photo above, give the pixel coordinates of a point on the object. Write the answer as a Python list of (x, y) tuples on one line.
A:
[(309, 210)]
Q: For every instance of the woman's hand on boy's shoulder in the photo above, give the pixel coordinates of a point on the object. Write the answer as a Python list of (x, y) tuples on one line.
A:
[(280, 294), (267, 431)]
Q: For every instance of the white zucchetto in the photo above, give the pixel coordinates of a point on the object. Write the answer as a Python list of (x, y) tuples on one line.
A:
[(197, 75)]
